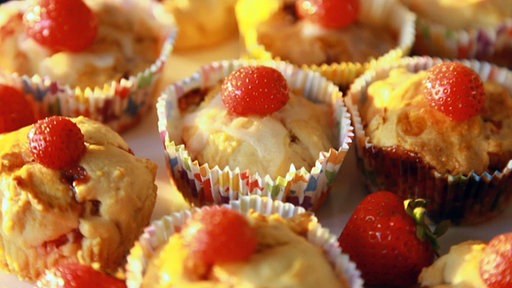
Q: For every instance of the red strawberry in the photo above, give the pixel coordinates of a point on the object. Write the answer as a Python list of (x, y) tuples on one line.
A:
[(62, 25), (496, 263), (15, 111), (328, 13), (254, 90), (388, 245), (75, 275), (56, 142), (455, 90), (219, 234)]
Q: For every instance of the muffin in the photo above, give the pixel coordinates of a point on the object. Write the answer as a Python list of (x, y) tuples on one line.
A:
[(292, 154), (458, 267), (472, 263), (407, 145), (110, 78), (290, 244), (274, 30), (464, 29), (202, 23), (90, 211)]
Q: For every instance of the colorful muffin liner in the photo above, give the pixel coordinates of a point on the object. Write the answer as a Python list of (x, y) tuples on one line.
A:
[(202, 184), (159, 231), (463, 199), (493, 44), (390, 14), (119, 104)]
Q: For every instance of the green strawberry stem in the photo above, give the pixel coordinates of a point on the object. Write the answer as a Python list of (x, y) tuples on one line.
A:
[(416, 209)]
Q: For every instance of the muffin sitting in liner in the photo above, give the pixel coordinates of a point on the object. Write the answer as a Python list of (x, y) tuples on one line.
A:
[(254, 127), (338, 38), (75, 58), (438, 130), (472, 264), (464, 29), (72, 191), (252, 242)]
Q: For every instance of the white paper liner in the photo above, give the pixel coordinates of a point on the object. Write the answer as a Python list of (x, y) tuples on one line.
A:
[(159, 231), (388, 14), (119, 104), (203, 184), (463, 199)]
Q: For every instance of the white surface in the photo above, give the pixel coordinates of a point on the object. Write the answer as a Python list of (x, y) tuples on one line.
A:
[(346, 193)]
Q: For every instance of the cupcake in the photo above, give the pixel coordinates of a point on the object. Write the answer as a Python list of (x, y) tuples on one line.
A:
[(202, 23), (287, 140), (283, 244), (339, 39), (458, 267), (472, 264), (72, 191), (75, 59), (438, 130), (464, 29)]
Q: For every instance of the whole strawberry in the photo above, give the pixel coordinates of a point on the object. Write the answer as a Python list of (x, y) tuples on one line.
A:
[(254, 90), (61, 25), (388, 246), (219, 234), (455, 90), (496, 263), (56, 142), (328, 13)]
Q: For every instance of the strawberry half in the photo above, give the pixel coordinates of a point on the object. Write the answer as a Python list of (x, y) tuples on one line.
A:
[(75, 275), (219, 234), (56, 142), (455, 90), (254, 90), (62, 25), (496, 263), (15, 111), (328, 13), (388, 239)]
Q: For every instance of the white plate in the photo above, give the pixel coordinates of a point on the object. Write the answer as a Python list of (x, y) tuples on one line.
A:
[(346, 193)]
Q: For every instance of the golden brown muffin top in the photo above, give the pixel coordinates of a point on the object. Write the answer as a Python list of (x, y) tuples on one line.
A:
[(397, 114)]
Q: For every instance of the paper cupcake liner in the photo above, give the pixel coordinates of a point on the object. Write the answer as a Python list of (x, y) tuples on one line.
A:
[(159, 231), (202, 184), (119, 104), (492, 44), (463, 199), (390, 14)]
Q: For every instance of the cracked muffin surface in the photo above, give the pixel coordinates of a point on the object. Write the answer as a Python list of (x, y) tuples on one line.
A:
[(91, 213), (295, 134)]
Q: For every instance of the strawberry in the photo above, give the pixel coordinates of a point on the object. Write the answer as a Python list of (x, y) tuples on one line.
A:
[(218, 234), (496, 263), (388, 239), (254, 90), (15, 111), (61, 25), (455, 90), (76, 275), (328, 13), (56, 142)]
